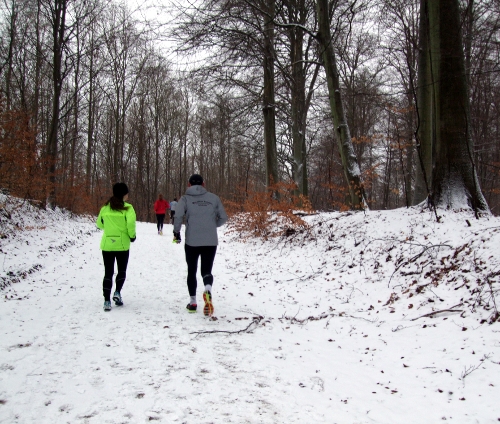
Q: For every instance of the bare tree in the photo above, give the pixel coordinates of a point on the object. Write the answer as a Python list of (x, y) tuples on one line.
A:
[(349, 160), (126, 61)]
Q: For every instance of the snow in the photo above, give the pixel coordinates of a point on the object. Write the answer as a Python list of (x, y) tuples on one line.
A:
[(325, 326)]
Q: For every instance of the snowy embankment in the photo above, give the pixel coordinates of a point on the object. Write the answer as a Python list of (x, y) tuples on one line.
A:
[(381, 317)]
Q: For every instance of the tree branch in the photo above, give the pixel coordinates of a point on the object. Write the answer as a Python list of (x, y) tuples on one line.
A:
[(256, 321)]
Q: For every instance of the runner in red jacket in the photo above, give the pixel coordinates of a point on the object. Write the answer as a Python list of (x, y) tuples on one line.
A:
[(161, 207)]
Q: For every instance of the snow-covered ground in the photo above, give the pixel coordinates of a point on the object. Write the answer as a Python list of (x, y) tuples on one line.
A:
[(325, 326)]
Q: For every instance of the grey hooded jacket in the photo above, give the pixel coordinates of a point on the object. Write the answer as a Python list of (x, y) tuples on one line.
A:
[(204, 213)]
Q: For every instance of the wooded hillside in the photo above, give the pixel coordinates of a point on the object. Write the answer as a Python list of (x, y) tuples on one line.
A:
[(343, 99)]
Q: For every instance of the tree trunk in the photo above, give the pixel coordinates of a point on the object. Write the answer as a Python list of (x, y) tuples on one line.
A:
[(76, 108), (454, 182), (91, 117), (298, 106), (58, 34), (269, 107), (10, 54), (425, 125), (349, 161)]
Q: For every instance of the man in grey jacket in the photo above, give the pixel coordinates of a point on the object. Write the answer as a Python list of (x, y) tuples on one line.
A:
[(204, 213)]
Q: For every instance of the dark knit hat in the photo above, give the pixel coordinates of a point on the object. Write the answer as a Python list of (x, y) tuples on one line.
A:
[(196, 179), (120, 190)]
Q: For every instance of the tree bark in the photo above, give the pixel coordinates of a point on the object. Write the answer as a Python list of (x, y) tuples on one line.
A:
[(454, 181), (425, 134), (298, 103)]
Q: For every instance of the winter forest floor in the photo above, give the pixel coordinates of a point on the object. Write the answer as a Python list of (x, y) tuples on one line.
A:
[(383, 317)]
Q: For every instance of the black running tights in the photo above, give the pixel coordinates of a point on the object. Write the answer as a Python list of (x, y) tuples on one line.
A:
[(207, 255), (159, 218), (109, 269)]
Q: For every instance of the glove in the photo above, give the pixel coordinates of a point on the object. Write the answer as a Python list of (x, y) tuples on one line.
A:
[(132, 239), (177, 236)]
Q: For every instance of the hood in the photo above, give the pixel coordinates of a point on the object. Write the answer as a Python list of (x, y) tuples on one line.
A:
[(196, 190)]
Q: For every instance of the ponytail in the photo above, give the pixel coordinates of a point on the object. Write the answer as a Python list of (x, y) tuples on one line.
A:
[(116, 204)]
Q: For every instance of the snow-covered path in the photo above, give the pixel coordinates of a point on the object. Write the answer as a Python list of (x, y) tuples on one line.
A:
[(62, 359), (68, 361)]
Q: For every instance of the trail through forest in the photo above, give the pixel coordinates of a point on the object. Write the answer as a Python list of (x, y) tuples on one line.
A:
[(316, 328)]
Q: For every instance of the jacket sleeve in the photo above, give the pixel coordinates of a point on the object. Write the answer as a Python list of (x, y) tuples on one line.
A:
[(100, 220), (180, 209), (221, 214), (130, 214)]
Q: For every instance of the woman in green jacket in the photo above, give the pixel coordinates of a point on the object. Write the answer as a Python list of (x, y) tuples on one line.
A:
[(117, 219)]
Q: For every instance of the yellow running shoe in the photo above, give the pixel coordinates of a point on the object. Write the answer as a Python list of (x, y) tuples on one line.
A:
[(208, 309)]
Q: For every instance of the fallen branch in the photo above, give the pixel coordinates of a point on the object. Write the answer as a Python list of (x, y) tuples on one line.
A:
[(256, 321), (304, 214), (372, 321), (294, 320), (440, 311)]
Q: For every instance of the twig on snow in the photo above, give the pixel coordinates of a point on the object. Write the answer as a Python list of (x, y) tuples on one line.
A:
[(452, 309), (372, 321), (255, 320), (469, 370), (294, 320)]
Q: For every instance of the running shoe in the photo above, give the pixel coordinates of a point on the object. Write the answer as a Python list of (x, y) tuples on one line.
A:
[(117, 298), (191, 307), (107, 305), (208, 309)]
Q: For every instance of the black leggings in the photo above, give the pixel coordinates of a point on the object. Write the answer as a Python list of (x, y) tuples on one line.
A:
[(160, 217), (109, 269), (207, 254)]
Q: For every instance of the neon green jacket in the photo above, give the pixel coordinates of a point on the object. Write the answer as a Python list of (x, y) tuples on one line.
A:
[(118, 226)]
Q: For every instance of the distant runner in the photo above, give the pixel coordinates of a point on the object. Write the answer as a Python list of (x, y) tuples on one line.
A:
[(172, 210), (161, 206)]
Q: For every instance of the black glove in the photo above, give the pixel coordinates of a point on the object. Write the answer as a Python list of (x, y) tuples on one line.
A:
[(177, 236), (132, 239)]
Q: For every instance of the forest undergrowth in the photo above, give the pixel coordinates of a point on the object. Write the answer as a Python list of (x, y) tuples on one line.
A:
[(421, 264)]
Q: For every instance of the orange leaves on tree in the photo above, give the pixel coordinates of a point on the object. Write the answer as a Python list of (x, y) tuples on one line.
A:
[(21, 168)]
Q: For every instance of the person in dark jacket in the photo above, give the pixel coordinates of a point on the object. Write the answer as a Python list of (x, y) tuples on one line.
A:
[(117, 219), (204, 214)]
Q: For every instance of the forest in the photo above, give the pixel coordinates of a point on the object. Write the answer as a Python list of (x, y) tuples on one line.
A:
[(348, 104)]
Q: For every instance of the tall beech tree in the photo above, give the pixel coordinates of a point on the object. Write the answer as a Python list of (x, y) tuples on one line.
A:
[(454, 182)]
